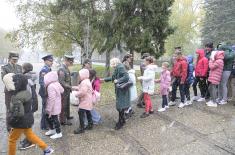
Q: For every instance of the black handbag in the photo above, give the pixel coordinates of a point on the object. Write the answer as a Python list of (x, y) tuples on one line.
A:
[(124, 85)]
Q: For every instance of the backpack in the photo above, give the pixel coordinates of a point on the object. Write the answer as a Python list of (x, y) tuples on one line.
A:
[(95, 96), (34, 99)]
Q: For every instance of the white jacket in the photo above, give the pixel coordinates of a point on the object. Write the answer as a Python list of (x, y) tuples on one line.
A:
[(132, 89), (148, 83)]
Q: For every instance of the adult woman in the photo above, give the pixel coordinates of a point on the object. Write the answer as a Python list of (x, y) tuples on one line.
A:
[(120, 76)]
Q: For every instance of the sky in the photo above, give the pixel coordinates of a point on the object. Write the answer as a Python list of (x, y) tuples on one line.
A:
[(8, 18)]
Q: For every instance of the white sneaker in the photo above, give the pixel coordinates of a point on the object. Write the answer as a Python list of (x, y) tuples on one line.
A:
[(181, 105), (171, 103), (218, 100), (162, 109), (222, 102), (201, 99), (195, 98), (166, 107), (190, 102), (209, 102), (50, 132), (212, 104), (57, 135)]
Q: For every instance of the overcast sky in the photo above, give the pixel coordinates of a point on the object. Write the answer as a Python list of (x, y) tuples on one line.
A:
[(8, 18)]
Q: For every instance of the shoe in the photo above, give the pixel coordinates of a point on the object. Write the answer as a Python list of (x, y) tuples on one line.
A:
[(144, 115), (66, 123), (162, 109), (151, 112), (48, 151), (195, 98), (50, 132), (55, 136), (171, 103), (89, 127), (211, 104), (181, 105), (140, 106), (222, 102), (201, 99), (118, 126), (79, 131), (166, 107), (189, 102), (26, 145), (70, 117), (218, 100)]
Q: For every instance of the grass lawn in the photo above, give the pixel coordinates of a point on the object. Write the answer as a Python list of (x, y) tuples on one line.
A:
[(107, 88)]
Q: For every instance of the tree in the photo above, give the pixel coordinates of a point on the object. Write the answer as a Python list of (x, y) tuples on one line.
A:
[(186, 19), (219, 22), (5, 45)]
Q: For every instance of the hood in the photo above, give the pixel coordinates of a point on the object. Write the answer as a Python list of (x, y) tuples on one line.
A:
[(50, 77), (190, 59), (201, 53), (219, 55), (152, 67), (84, 74), (31, 75), (131, 71)]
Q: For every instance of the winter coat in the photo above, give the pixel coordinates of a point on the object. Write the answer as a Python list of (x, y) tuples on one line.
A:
[(190, 78), (229, 56), (180, 69), (122, 95), (84, 91), (148, 79), (202, 64), (165, 82), (132, 89), (54, 91), (216, 68)]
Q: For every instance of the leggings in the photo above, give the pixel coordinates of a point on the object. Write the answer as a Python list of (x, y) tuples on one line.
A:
[(223, 89)]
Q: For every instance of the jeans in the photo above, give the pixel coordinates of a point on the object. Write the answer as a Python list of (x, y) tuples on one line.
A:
[(96, 118), (164, 101), (202, 86), (148, 103), (223, 89), (53, 122), (213, 92), (43, 124), (176, 83)]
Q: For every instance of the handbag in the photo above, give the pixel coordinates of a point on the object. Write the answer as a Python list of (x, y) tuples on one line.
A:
[(124, 85)]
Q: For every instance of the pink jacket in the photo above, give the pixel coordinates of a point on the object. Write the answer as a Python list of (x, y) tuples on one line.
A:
[(54, 90), (84, 91), (165, 81), (216, 68)]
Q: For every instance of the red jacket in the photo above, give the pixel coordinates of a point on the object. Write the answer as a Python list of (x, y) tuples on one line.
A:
[(202, 64), (180, 69)]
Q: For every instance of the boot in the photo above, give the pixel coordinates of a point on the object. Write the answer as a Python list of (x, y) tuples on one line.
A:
[(118, 126), (89, 126), (79, 131)]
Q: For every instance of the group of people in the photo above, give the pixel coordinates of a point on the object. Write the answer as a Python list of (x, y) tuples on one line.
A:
[(213, 70)]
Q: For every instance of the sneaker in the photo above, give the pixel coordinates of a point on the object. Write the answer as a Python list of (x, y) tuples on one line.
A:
[(195, 98), (201, 99), (144, 115), (181, 105), (222, 102), (189, 102), (186, 103), (166, 107), (162, 109), (26, 145), (218, 100), (151, 112), (48, 151), (212, 104), (209, 102), (55, 136), (50, 132), (171, 103)]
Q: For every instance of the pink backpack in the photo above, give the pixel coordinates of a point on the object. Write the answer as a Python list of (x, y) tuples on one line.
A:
[(95, 96)]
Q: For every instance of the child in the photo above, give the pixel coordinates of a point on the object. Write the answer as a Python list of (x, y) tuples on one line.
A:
[(84, 93), (20, 116), (165, 81), (148, 85), (216, 65), (189, 80), (53, 104)]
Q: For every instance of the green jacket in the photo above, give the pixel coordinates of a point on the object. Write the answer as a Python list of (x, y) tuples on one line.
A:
[(229, 56), (122, 95)]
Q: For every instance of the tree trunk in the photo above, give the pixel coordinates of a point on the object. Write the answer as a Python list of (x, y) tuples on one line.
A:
[(132, 62), (107, 63)]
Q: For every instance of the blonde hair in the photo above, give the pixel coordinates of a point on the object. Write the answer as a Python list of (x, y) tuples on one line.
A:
[(114, 62), (166, 64)]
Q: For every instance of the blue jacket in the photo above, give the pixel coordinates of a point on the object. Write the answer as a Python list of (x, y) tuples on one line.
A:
[(190, 78), (43, 71)]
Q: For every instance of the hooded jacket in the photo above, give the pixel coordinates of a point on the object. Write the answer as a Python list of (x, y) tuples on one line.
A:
[(148, 79), (180, 69), (190, 77), (216, 68), (84, 91), (165, 82), (202, 64), (229, 56), (54, 90)]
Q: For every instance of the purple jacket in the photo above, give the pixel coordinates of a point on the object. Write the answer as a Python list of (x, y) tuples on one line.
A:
[(165, 82), (54, 90)]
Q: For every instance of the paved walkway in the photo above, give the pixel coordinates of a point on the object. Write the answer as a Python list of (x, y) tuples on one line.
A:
[(196, 130)]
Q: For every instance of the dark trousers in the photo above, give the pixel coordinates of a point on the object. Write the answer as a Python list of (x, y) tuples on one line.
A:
[(187, 91), (203, 86), (82, 114), (208, 91), (65, 108), (164, 101), (8, 96), (121, 118), (53, 122), (44, 123), (175, 85), (195, 86), (141, 99)]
